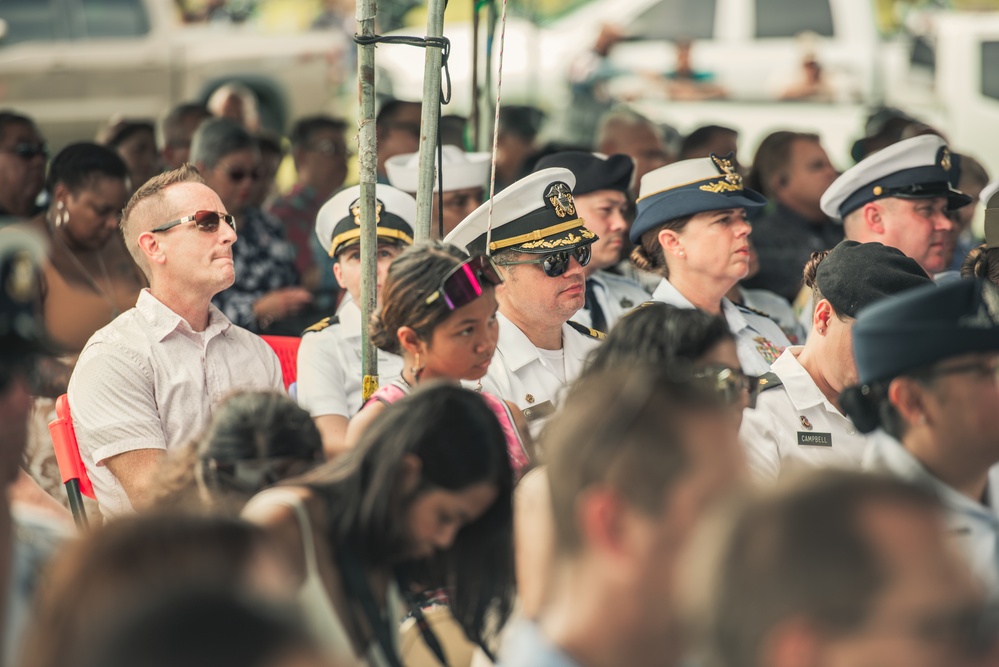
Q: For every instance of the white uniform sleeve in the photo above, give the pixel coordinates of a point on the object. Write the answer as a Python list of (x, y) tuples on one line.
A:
[(321, 376), (113, 404), (760, 443)]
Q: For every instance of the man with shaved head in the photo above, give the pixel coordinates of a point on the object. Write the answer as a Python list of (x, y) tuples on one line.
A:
[(147, 382)]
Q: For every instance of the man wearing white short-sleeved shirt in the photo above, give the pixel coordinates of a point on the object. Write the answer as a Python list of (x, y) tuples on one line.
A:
[(149, 381)]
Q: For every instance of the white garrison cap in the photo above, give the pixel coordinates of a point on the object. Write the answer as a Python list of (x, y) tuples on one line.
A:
[(917, 168), (535, 215), (461, 170), (338, 224)]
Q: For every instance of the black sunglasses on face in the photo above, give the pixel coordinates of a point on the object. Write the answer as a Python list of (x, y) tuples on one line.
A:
[(205, 221), (238, 175), (557, 263), (466, 282), (28, 151)]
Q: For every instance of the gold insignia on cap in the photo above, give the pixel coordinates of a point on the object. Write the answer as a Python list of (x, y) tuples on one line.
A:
[(804, 422), (20, 284), (945, 159), (561, 198), (355, 210), (726, 167), (878, 190)]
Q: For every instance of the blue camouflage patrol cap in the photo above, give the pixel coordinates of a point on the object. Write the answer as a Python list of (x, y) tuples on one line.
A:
[(925, 325)]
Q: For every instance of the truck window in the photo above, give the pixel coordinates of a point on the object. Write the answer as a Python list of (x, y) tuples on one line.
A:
[(675, 19), (28, 21), (113, 18), (787, 18), (990, 69)]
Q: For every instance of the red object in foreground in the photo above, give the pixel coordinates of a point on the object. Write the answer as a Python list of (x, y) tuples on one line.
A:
[(286, 348), (71, 469)]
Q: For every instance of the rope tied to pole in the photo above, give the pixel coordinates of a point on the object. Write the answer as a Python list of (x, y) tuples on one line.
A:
[(499, 90)]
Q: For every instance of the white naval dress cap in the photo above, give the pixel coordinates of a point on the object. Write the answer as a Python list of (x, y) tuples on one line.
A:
[(534, 215), (338, 223), (461, 170), (917, 168)]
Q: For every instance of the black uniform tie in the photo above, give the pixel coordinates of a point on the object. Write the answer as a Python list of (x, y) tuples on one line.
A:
[(598, 320)]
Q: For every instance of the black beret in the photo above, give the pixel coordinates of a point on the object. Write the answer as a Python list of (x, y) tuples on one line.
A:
[(855, 275), (923, 326), (593, 172)]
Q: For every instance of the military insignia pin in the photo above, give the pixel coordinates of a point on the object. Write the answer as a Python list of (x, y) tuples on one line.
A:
[(560, 197), (804, 422), (21, 281), (355, 210)]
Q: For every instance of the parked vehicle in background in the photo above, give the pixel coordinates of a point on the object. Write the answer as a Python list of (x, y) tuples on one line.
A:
[(747, 45), (72, 64)]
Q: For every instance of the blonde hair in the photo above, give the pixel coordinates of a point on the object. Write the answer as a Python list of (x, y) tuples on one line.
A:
[(152, 189)]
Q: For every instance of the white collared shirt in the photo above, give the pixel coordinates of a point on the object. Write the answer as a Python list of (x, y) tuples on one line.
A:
[(759, 341), (149, 381), (973, 526), (616, 295), (794, 426), (521, 375), (329, 366)]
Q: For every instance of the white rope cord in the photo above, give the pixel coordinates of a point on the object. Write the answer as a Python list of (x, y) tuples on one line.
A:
[(499, 89)]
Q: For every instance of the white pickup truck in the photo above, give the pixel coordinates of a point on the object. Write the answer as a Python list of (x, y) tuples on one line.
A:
[(72, 64)]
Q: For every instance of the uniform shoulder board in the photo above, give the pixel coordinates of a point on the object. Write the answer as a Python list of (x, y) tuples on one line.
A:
[(322, 324), (768, 381), (587, 331), (753, 310)]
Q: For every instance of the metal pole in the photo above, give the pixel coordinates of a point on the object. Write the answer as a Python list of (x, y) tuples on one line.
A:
[(429, 121), (473, 117), (366, 10)]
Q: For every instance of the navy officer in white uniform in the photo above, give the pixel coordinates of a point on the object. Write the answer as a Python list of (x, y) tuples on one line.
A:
[(928, 367), (797, 422), (601, 197), (329, 358), (691, 229), (541, 246)]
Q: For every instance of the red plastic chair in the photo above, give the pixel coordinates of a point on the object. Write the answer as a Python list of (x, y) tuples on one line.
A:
[(286, 348), (71, 469)]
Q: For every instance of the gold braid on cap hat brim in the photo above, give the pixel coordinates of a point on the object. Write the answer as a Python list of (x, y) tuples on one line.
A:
[(383, 233), (536, 238)]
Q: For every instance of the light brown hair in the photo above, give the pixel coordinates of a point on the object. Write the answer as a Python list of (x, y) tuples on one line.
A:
[(150, 190)]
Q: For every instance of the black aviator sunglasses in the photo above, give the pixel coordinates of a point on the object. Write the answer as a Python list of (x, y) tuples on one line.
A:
[(205, 221), (556, 263)]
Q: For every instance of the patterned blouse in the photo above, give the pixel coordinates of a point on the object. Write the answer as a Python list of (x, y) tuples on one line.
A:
[(264, 261)]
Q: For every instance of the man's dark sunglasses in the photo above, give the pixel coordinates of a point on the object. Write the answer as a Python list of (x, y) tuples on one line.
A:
[(466, 282), (27, 151), (557, 263), (205, 221), (237, 175)]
